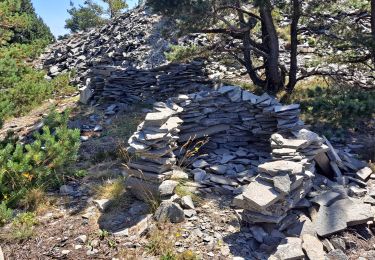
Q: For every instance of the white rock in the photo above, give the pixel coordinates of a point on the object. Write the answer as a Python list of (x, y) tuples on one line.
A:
[(187, 202)]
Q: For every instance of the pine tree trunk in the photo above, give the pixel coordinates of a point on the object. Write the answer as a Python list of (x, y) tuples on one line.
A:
[(293, 45), (274, 78)]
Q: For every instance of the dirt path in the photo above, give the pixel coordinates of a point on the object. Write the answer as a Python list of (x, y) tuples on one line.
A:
[(23, 125)]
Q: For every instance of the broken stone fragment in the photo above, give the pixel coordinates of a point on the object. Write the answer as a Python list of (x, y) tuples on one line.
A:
[(102, 204), (222, 180), (219, 169), (337, 254), (167, 187), (282, 183), (200, 164), (199, 175), (187, 202), (169, 211), (273, 168)]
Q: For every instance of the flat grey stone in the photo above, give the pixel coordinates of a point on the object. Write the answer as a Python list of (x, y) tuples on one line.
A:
[(66, 190), (258, 233), (200, 164), (226, 89), (355, 191), (329, 220), (290, 248), (199, 175), (273, 168), (279, 109), (313, 247), (167, 187), (326, 198), (247, 96), (364, 173), (260, 194), (219, 169), (189, 213), (226, 158), (85, 95), (222, 180), (356, 212)]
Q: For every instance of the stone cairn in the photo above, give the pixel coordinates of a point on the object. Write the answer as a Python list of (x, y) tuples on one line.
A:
[(254, 149)]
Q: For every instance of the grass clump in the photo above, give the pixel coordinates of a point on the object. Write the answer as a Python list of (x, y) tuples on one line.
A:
[(182, 190), (111, 190), (161, 243), (22, 226), (35, 200), (5, 214)]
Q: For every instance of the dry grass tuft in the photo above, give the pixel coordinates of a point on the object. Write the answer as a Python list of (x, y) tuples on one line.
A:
[(35, 200), (111, 189)]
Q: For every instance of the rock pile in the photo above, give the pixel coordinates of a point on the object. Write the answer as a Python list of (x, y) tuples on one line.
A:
[(233, 120), (251, 147), (133, 39)]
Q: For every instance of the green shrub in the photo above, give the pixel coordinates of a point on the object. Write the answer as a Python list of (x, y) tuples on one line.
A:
[(179, 53), (336, 107), (38, 164), (22, 87), (5, 213)]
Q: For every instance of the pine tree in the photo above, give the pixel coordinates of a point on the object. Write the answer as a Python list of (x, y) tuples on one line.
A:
[(36, 28), (11, 19), (115, 7), (84, 17)]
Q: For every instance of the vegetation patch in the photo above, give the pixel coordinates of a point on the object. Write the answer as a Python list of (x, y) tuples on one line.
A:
[(179, 53), (40, 163), (335, 107)]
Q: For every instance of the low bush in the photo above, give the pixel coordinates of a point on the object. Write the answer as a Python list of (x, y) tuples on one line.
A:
[(335, 106), (5, 214), (21, 86), (40, 163), (179, 53)]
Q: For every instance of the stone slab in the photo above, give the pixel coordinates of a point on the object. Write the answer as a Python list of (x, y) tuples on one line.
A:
[(260, 194)]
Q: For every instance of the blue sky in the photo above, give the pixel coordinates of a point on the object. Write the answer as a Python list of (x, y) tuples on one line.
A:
[(54, 12)]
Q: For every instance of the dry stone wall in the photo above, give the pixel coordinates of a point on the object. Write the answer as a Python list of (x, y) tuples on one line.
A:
[(133, 85), (254, 149), (237, 125)]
